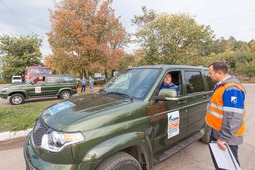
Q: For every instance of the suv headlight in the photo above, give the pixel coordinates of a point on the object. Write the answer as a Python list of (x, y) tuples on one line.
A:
[(4, 89), (55, 141)]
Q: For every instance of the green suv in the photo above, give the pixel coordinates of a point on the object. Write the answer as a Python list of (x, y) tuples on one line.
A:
[(128, 125), (42, 85)]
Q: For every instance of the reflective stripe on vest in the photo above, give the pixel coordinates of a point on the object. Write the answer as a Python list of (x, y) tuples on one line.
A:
[(215, 108)]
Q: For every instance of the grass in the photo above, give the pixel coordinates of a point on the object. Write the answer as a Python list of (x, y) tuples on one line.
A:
[(21, 117)]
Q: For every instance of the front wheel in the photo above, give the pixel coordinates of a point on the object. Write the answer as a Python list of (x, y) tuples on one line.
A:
[(16, 99), (120, 161), (65, 94)]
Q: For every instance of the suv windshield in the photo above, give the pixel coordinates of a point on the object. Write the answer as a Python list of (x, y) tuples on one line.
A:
[(135, 82), (39, 71)]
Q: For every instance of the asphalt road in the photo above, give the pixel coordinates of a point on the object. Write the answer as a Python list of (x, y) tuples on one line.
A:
[(194, 157)]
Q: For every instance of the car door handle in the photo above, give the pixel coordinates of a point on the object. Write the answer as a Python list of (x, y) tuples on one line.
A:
[(182, 102), (205, 96)]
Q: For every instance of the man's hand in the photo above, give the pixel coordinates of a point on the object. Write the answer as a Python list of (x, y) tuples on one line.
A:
[(221, 144)]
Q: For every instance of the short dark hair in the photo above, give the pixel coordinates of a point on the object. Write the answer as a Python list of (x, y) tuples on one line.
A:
[(220, 66)]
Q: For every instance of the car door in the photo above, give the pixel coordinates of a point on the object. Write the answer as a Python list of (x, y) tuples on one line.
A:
[(169, 118), (197, 98), (35, 88), (52, 85)]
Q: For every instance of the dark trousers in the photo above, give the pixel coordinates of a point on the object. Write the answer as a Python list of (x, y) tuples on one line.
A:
[(83, 88), (234, 149)]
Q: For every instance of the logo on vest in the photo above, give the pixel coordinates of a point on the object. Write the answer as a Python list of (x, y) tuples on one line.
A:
[(233, 99)]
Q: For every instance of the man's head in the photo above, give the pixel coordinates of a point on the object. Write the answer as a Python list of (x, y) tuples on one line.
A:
[(168, 79), (218, 71)]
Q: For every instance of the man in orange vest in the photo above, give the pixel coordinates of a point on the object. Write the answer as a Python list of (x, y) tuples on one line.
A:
[(225, 111)]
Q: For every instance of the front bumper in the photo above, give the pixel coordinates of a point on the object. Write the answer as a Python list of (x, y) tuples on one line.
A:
[(33, 161), (3, 95)]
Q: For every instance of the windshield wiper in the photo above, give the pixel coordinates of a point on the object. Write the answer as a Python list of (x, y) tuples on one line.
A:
[(121, 94)]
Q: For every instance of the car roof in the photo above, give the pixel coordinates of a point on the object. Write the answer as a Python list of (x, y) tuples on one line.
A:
[(164, 66), (38, 66), (41, 74)]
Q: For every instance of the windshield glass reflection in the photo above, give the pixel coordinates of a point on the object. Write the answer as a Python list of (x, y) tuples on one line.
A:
[(135, 82)]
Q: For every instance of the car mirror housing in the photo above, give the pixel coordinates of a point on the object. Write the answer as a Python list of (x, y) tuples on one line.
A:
[(167, 93)]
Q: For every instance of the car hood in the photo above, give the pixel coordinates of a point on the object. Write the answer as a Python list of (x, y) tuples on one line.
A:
[(66, 112)]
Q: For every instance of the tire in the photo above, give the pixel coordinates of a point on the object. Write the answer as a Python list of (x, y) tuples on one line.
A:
[(65, 94), (16, 99), (119, 161), (206, 137)]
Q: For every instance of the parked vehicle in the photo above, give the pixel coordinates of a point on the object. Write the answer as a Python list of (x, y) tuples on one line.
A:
[(45, 85), (129, 124), (16, 79), (36, 69)]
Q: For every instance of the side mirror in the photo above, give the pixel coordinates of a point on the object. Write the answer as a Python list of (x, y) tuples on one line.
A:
[(166, 94)]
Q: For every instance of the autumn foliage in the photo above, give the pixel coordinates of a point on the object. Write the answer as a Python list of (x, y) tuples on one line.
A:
[(85, 37)]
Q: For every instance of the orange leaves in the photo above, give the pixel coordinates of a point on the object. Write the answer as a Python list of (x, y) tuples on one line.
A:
[(88, 32)]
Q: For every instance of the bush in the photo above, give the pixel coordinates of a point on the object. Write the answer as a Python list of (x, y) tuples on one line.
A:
[(2, 82), (247, 69)]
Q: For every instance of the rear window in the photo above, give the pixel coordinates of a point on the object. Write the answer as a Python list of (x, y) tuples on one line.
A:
[(194, 81), (16, 78), (209, 80), (68, 79)]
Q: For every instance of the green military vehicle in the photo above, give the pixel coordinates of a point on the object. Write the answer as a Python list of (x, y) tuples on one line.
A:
[(41, 85), (128, 125)]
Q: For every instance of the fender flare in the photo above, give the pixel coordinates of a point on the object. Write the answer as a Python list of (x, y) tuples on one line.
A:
[(20, 92), (118, 143), (62, 89)]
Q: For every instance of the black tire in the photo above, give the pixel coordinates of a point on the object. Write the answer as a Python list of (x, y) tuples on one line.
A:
[(119, 161), (65, 94), (206, 137), (16, 99)]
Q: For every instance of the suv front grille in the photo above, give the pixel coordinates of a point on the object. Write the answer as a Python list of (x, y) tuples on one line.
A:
[(40, 128)]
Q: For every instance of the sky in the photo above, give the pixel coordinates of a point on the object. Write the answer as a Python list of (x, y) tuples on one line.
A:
[(225, 17)]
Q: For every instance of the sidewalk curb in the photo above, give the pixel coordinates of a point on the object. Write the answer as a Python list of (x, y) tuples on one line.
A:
[(9, 134)]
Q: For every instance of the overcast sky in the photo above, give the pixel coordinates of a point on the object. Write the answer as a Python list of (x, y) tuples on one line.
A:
[(226, 17)]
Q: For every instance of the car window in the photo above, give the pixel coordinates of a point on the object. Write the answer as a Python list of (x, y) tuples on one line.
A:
[(68, 79), (53, 79), (176, 80), (40, 79), (16, 78), (194, 81), (209, 80)]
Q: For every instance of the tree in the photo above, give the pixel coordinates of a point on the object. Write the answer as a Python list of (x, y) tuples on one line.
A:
[(234, 45), (251, 45), (171, 38), (19, 52), (85, 35), (247, 68)]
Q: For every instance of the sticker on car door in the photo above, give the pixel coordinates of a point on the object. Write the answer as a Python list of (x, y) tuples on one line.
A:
[(173, 124), (38, 90)]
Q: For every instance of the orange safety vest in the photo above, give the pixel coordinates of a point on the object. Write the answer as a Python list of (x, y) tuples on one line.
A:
[(215, 109)]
